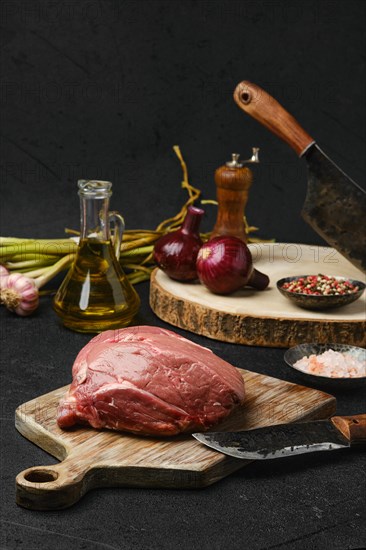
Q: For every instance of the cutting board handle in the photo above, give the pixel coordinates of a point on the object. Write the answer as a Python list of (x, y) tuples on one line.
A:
[(266, 110), (352, 427), (52, 487)]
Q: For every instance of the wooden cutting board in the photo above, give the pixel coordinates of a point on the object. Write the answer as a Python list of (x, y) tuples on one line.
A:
[(92, 458), (265, 318)]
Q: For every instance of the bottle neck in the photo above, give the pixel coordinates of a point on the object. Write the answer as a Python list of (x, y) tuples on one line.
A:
[(94, 218)]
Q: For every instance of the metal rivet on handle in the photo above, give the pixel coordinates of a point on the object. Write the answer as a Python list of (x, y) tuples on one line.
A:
[(246, 97)]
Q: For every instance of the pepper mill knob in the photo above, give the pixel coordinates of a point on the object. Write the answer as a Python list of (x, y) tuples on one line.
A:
[(234, 162), (233, 181)]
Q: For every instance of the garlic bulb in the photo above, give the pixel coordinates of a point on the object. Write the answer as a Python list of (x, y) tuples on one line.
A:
[(4, 274), (18, 293)]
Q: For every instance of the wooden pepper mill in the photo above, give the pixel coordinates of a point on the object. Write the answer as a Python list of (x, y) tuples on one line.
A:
[(233, 181)]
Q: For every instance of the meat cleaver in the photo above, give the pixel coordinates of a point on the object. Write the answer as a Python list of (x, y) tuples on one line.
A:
[(335, 206), (282, 440)]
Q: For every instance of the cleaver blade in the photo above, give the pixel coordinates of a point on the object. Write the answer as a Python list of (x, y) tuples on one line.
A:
[(283, 440), (335, 206)]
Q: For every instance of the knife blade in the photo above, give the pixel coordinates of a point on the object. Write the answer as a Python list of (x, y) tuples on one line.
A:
[(334, 205), (282, 440)]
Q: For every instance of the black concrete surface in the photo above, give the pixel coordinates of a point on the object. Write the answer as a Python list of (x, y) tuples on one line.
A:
[(105, 89)]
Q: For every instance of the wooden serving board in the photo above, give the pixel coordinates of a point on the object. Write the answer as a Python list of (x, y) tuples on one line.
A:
[(265, 318), (92, 458)]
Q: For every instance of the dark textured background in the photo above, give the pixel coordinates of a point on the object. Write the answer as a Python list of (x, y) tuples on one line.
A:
[(104, 90)]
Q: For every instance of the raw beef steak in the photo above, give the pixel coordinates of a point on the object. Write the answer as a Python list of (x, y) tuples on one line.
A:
[(149, 381)]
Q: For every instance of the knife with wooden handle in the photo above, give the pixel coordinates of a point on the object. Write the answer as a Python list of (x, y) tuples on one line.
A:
[(335, 205), (282, 440)]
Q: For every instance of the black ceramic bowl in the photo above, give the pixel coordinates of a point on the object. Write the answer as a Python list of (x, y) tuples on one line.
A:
[(310, 301), (293, 355)]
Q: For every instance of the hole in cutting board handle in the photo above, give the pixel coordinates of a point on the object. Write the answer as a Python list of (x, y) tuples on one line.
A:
[(41, 476)]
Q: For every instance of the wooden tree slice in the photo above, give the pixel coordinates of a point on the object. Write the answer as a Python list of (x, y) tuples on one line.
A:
[(265, 318)]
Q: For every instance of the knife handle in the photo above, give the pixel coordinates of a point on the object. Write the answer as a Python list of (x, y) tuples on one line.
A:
[(352, 427), (266, 110)]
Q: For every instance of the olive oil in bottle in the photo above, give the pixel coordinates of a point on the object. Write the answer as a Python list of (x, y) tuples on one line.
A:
[(96, 294)]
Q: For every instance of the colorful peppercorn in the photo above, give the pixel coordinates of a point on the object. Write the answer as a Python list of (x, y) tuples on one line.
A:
[(320, 285)]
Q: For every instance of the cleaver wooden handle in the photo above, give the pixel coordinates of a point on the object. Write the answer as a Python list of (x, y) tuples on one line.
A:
[(266, 110), (352, 427)]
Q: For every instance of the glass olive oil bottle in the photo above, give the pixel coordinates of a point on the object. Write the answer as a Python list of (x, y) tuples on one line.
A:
[(96, 294)]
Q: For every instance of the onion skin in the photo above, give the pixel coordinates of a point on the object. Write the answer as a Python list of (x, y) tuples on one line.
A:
[(19, 294), (177, 258), (224, 265), (176, 252)]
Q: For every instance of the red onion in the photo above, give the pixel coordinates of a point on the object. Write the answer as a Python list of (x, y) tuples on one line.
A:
[(176, 252), (224, 265)]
